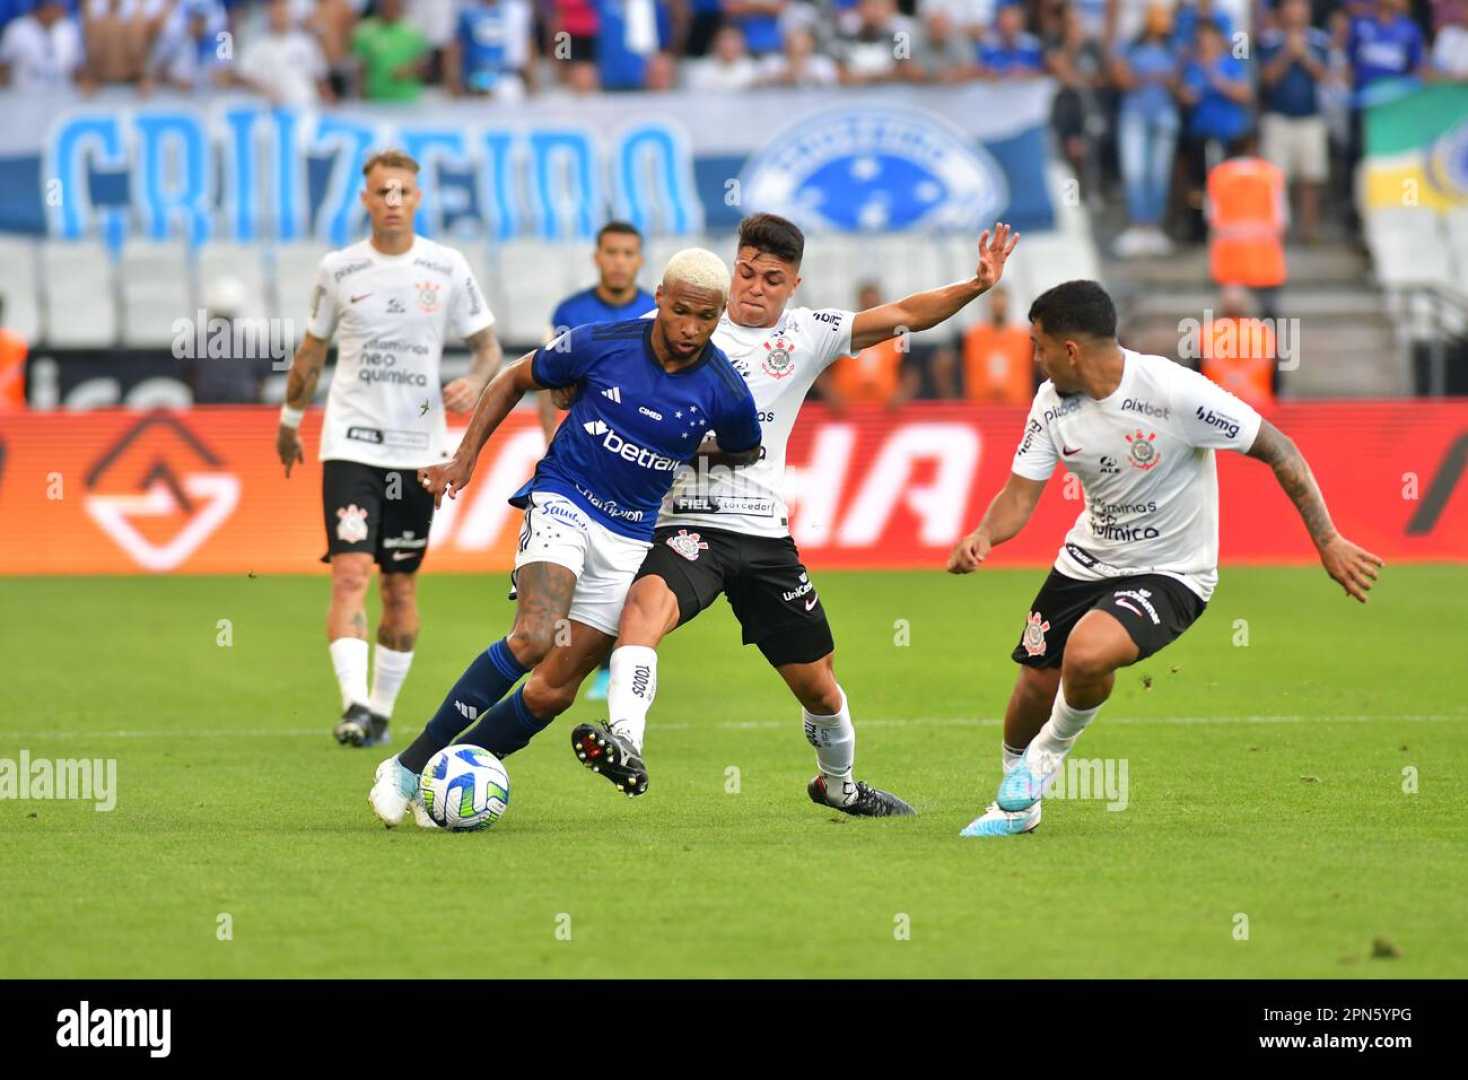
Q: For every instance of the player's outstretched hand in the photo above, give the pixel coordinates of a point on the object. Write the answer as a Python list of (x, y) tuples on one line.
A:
[(968, 553), (460, 396), (288, 446), (1354, 568), (451, 477), (993, 253)]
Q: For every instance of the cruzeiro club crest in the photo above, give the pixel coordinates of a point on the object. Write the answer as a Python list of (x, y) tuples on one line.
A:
[(1034, 637), (428, 297), (875, 168), (687, 544), (1144, 453), (779, 358)]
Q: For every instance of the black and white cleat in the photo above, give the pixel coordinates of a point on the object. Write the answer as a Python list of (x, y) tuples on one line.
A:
[(355, 727), (603, 751), (860, 799)]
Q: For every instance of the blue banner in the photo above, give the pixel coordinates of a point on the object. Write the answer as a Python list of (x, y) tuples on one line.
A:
[(233, 168)]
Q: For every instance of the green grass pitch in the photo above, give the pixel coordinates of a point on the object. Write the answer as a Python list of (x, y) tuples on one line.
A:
[(1270, 830)]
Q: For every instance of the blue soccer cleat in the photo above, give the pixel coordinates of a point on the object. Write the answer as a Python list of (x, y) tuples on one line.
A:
[(1024, 784), (996, 822)]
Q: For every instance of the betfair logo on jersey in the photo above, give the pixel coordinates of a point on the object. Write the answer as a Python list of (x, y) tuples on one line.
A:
[(613, 443), (1226, 424)]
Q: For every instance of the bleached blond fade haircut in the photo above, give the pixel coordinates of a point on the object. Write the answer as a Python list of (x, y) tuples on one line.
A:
[(699, 268)]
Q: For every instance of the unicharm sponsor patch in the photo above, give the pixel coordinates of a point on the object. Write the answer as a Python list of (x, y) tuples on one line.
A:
[(875, 168)]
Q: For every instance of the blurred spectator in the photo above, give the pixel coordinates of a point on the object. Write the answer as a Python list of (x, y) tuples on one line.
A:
[(42, 49), (874, 376), (630, 34), (1189, 16), (1146, 71), (1008, 51), (1293, 61), (704, 17), (492, 50), (115, 34), (944, 52), (185, 54), (284, 63), (799, 65), (1450, 50), (436, 20), (760, 22), (393, 53), (878, 45), (573, 43), (1216, 85), (728, 68), (1247, 216), (998, 358), (971, 18), (1384, 46), (1077, 63), (1236, 350)]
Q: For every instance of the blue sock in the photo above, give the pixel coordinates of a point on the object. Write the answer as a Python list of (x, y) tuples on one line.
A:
[(507, 727), (487, 679)]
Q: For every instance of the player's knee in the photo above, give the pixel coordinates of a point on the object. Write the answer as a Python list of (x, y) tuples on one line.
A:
[(399, 595), (1088, 659), (349, 580), (531, 641)]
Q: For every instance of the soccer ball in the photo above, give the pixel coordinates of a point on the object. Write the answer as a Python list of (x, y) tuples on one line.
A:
[(465, 787)]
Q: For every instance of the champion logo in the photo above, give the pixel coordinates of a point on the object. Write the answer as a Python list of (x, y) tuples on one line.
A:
[(596, 427), (613, 393)]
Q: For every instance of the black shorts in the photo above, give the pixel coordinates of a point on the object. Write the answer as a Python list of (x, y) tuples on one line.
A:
[(1154, 608), (770, 591), (380, 512)]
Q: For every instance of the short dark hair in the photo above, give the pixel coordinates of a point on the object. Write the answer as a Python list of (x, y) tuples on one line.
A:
[(1075, 307), (389, 159), (614, 227), (773, 235)]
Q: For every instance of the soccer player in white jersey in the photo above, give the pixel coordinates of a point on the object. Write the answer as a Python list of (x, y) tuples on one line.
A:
[(391, 301), (1141, 561), (728, 530)]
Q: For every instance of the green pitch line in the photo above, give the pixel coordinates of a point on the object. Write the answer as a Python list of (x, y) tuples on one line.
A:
[(1295, 771)]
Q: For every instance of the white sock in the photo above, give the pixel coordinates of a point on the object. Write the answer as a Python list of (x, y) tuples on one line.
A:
[(389, 669), (1064, 726), (349, 658), (1011, 755), (835, 741), (629, 695)]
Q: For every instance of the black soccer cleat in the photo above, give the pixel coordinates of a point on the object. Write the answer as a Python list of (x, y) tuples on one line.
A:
[(868, 801), (355, 727), (603, 751), (378, 731)]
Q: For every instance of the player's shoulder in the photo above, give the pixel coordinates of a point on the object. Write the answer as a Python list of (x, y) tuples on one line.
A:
[(342, 257), (438, 258), (814, 321), (1046, 396), (722, 369)]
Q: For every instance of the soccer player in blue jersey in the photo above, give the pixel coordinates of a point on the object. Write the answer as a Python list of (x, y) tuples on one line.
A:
[(618, 258), (651, 389)]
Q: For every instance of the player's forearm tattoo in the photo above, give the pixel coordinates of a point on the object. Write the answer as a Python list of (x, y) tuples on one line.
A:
[(300, 382), (359, 624), (1278, 451), (487, 354)]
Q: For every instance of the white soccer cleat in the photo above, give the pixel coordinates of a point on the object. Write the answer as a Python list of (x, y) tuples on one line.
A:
[(393, 790), (420, 814)]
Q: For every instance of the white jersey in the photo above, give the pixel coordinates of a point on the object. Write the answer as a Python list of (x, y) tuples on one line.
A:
[(1144, 456), (780, 363), (391, 314)]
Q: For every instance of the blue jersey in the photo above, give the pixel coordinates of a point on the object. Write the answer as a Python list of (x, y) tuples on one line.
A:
[(634, 424), (587, 307)]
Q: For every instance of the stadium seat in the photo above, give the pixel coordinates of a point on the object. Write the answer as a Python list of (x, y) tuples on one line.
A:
[(1409, 247), (78, 302), (1456, 221), (537, 275), (19, 288), (234, 274), (155, 288), (294, 278)]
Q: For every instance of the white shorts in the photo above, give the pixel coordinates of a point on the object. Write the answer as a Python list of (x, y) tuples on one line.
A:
[(1299, 145), (558, 531)]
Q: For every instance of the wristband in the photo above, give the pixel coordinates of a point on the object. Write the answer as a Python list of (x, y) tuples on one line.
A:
[(291, 418)]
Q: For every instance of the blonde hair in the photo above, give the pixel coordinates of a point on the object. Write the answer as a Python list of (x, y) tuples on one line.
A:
[(700, 268)]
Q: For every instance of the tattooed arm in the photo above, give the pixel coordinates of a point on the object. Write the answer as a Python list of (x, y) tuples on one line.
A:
[(460, 395), (1353, 568), (300, 388)]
